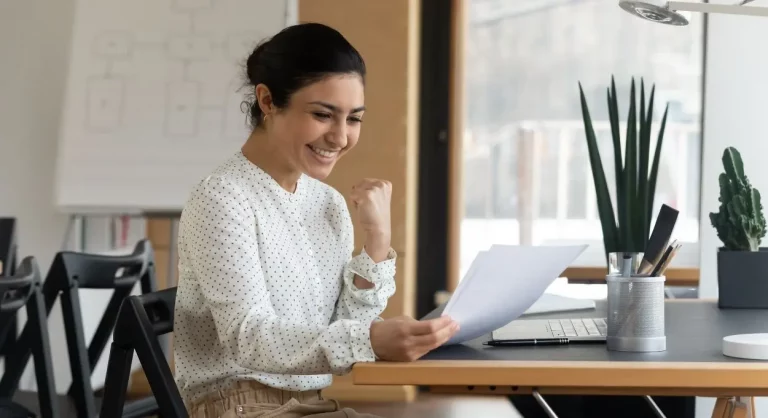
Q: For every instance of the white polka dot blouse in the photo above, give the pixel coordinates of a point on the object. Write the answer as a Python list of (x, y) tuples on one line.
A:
[(265, 287)]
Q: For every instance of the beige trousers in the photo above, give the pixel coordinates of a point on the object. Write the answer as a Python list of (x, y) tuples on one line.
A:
[(250, 399)]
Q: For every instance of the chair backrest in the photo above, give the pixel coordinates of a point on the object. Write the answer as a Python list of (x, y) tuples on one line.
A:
[(100, 271), (8, 255), (69, 272), (24, 290), (72, 271), (7, 246), (142, 319)]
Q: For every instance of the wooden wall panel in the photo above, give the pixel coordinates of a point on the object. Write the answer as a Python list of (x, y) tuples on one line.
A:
[(159, 233), (387, 35), (456, 141)]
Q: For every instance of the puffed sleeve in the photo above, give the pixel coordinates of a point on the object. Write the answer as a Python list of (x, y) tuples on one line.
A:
[(364, 305), (224, 253)]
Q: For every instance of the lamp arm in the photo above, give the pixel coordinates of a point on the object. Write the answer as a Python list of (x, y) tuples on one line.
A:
[(731, 9)]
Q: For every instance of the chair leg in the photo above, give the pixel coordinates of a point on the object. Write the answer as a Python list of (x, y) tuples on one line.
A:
[(744, 407), (103, 333), (116, 382), (159, 375), (7, 322), (722, 407), (78, 354), (15, 361), (739, 407), (18, 354), (46, 387)]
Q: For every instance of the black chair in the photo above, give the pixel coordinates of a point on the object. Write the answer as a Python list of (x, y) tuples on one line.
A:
[(142, 319), (24, 289), (69, 272), (8, 255)]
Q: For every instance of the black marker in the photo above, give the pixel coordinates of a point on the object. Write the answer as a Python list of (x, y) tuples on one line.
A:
[(528, 342)]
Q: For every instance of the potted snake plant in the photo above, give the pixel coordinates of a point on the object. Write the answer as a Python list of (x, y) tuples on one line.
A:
[(635, 175), (742, 265)]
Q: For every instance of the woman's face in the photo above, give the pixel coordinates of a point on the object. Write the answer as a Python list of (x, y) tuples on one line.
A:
[(320, 124)]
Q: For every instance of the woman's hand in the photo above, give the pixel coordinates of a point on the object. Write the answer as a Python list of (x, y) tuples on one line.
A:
[(406, 339), (372, 200)]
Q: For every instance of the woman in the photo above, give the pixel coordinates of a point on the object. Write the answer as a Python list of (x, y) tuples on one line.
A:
[(271, 303)]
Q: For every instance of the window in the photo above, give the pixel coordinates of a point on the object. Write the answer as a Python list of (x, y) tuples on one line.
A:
[(526, 172)]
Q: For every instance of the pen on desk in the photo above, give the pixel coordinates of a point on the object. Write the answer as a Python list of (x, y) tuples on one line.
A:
[(528, 342)]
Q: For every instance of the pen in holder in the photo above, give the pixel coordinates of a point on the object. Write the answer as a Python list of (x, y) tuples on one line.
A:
[(624, 263), (635, 306)]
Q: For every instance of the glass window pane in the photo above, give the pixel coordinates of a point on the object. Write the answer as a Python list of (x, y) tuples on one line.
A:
[(525, 153)]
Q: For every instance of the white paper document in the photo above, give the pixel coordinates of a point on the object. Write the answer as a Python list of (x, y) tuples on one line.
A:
[(549, 303), (502, 283)]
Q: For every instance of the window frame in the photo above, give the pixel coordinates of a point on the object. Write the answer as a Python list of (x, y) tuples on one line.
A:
[(435, 212), (440, 160)]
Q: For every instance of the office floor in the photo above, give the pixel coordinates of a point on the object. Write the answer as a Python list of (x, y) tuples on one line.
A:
[(426, 406), (441, 406)]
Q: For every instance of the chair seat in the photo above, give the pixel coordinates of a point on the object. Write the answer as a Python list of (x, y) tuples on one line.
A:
[(133, 409), (67, 408)]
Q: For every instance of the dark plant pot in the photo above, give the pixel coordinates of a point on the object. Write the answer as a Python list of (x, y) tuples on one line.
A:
[(742, 279)]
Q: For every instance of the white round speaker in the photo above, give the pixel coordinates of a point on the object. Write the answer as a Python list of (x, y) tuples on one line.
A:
[(746, 346)]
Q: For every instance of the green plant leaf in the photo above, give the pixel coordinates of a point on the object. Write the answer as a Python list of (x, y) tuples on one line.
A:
[(643, 198), (726, 192), (613, 115), (754, 204), (630, 175), (604, 204), (657, 159), (734, 166), (739, 222)]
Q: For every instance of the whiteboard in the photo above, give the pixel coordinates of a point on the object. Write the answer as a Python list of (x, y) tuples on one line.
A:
[(153, 98)]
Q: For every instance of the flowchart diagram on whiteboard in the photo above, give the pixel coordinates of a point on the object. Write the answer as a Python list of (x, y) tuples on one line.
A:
[(154, 98)]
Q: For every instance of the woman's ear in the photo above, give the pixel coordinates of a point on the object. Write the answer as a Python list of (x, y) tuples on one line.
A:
[(264, 99)]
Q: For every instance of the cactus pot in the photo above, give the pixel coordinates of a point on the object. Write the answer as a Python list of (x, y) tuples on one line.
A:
[(742, 279)]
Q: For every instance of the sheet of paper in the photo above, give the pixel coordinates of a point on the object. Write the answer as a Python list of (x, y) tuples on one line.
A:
[(502, 284), (549, 303), (463, 283)]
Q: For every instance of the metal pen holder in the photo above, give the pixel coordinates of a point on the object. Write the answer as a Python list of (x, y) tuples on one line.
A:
[(635, 306)]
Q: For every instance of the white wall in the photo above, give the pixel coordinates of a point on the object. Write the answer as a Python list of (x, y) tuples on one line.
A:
[(34, 46), (34, 50), (34, 53), (736, 109)]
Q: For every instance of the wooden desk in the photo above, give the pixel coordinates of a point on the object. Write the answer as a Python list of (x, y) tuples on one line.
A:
[(693, 364), (676, 276)]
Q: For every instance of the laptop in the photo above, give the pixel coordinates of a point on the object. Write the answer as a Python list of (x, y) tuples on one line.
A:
[(550, 331)]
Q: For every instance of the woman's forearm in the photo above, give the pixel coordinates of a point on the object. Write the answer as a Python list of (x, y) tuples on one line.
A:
[(377, 246)]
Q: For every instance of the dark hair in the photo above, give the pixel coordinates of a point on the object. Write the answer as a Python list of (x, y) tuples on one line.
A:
[(297, 56)]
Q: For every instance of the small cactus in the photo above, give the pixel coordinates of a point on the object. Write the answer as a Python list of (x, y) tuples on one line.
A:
[(740, 223)]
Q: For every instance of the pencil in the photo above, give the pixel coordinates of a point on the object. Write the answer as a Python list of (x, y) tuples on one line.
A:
[(669, 259), (657, 267)]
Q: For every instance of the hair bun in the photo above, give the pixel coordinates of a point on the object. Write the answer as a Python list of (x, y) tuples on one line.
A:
[(254, 64), (295, 57)]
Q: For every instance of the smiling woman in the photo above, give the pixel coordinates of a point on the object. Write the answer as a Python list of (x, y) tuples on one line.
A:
[(270, 301)]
